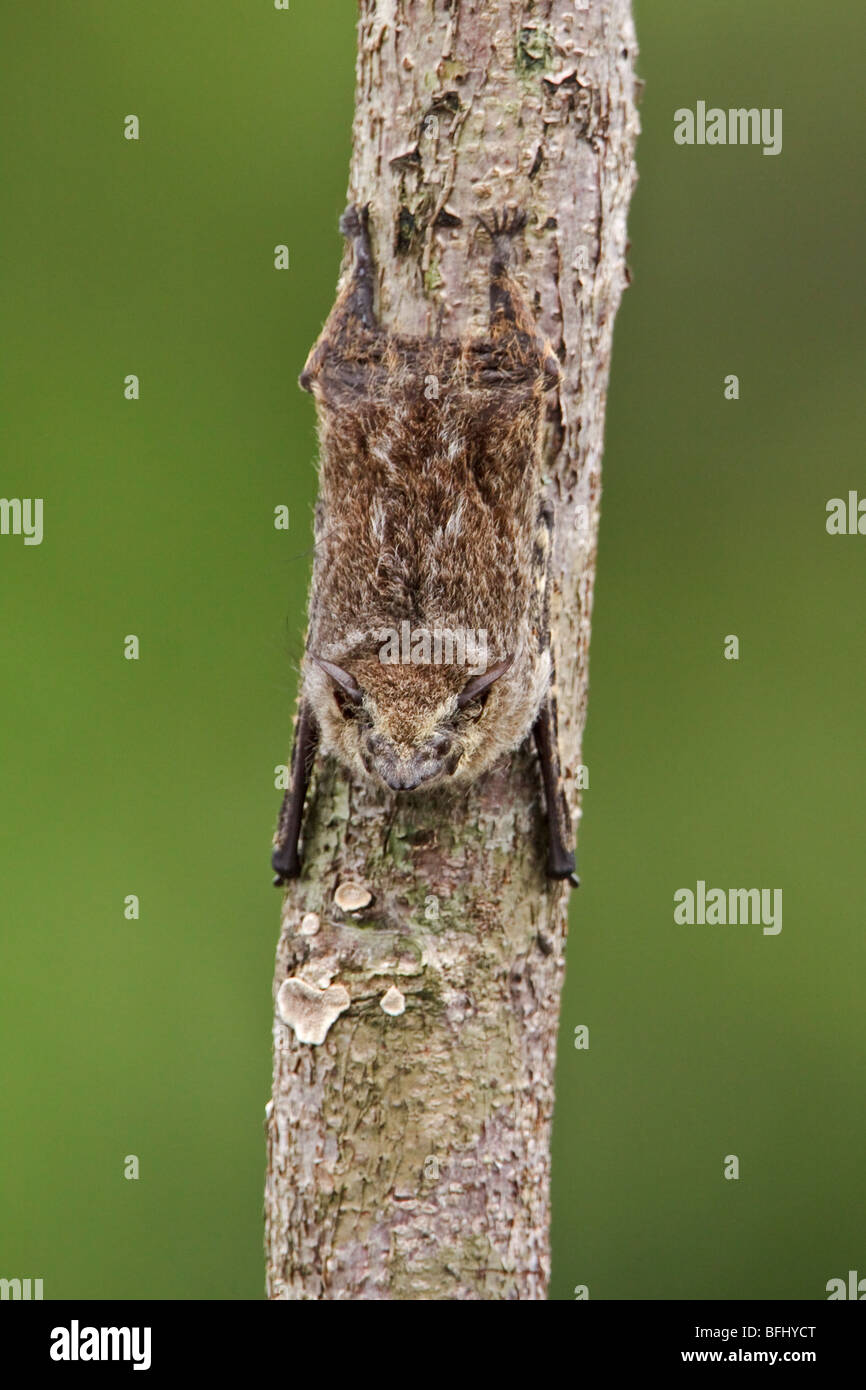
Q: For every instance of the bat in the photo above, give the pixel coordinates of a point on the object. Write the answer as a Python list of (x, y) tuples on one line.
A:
[(428, 654)]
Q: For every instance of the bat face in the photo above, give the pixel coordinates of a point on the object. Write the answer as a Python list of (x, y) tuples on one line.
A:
[(406, 766), (411, 727)]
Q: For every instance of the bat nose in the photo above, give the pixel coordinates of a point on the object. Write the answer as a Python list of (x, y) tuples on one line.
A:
[(407, 779), (405, 768)]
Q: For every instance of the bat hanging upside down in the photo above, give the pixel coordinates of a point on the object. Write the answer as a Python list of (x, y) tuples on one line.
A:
[(432, 541)]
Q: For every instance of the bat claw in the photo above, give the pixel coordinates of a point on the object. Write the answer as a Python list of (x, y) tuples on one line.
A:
[(506, 222), (564, 870)]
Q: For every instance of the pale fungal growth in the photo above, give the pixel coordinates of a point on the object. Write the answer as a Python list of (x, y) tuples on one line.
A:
[(310, 1011), (309, 924), (393, 1002), (269, 1109), (352, 897), (556, 79)]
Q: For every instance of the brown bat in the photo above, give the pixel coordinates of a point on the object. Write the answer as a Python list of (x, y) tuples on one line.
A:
[(428, 653)]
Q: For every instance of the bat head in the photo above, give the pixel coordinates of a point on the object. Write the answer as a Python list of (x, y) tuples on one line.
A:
[(413, 726)]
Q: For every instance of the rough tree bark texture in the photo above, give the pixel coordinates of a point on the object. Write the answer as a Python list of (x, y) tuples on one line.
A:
[(409, 1151)]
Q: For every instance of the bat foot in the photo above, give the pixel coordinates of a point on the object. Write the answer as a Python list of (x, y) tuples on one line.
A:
[(502, 227), (353, 222), (507, 222), (355, 227)]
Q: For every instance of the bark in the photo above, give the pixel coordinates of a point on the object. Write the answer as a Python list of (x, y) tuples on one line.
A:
[(408, 1152)]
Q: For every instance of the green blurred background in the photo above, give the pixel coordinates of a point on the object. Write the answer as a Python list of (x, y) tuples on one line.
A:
[(152, 1037)]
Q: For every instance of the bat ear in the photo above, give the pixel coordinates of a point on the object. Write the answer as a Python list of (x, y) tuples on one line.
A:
[(347, 683), (479, 684)]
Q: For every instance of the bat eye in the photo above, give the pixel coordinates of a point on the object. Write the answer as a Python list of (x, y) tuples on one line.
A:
[(474, 695), (347, 706), (474, 707)]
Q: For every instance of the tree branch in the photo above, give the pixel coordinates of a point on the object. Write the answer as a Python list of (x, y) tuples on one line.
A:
[(409, 1147)]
